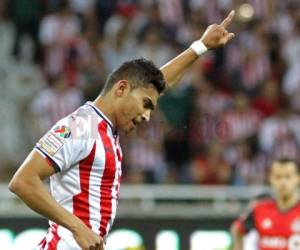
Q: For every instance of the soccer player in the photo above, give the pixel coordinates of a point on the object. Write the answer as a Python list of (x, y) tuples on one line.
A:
[(275, 220), (82, 156)]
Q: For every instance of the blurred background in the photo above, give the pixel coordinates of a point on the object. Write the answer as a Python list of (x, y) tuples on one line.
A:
[(205, 153)]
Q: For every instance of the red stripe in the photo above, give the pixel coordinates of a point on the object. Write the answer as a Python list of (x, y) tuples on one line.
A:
[(107, 179), (43, 243), (54, 241), (81, 200)]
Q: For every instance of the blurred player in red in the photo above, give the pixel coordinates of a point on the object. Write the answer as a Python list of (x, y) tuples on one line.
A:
[(275, 220), (84, 153)]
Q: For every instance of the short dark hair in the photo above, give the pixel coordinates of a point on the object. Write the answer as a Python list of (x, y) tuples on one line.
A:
[(285, 160), (140, 73)]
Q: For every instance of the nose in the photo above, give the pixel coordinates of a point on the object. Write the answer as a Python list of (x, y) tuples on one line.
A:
[(146, 116)]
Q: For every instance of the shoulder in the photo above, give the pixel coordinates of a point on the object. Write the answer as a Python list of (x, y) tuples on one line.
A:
[(81, 123), (267, 203), (255, 207), (72, 135)]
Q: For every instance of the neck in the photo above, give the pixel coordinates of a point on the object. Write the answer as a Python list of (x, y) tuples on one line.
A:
[(289, 202), (104, 104)]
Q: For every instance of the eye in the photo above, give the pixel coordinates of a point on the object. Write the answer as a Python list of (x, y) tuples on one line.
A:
[(148, 104)]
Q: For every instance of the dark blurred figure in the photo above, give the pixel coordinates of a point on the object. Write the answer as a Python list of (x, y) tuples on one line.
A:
[(26, 15), (176, 141), (104, 9), (3, 7), (154, 19), (267, 101)]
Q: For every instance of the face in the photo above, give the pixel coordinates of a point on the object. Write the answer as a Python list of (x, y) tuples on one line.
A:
[(284, 179), (133, 106)]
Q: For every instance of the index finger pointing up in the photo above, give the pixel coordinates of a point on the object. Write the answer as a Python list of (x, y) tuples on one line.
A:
[(228, 19)]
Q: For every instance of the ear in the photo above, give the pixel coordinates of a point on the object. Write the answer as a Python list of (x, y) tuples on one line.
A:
[(122, 88)]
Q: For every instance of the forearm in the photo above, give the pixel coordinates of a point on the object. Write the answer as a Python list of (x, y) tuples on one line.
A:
[(237, 239), (214, 36), (238, 244), (174, 69), (36, 196)]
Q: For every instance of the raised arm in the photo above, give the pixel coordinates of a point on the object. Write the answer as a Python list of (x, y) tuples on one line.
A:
[(216, 35)]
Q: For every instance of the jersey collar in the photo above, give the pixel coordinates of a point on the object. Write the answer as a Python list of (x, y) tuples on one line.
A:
[(104, 117)]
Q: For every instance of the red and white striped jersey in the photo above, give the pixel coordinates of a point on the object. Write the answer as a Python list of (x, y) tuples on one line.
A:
[(84, 149)]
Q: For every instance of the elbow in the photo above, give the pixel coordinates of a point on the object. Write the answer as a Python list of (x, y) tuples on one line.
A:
[(13, 185), (17, 185)]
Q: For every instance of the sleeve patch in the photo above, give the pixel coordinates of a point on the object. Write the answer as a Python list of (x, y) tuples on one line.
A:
[(62, 131), (51, 143)]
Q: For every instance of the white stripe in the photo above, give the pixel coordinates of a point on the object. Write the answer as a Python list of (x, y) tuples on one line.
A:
[(49, 237), (67, 240), (95, 186), (60, 245)]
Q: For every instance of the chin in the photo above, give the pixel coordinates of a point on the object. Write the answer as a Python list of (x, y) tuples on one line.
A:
[(127, 131), (285, 196)]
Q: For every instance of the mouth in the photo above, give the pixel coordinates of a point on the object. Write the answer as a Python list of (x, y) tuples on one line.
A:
[(134, 123)]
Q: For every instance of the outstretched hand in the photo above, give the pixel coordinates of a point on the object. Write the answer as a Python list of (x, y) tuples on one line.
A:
[(217, 35)]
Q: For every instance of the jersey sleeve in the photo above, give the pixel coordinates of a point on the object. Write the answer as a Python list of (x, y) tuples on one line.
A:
[(66, 143), (246, 221)]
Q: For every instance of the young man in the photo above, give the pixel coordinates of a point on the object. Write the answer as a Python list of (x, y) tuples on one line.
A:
[(84, 153), (276, 221)]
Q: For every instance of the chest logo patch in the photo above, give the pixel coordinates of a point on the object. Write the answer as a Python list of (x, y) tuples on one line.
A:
[(266, 223)]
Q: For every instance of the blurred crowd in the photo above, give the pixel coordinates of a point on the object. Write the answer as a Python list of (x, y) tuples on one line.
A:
[(234, 110)]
